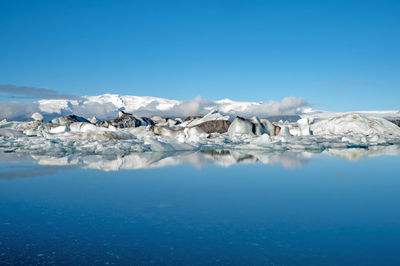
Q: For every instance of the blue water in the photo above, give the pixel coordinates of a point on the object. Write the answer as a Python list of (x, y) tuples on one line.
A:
[(329, 211)]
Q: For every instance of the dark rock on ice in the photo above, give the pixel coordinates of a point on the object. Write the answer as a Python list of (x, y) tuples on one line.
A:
[(64, 120), (166, 121), (165, 131), (126, 120), (260, 128), (277, 130), (148, 121), (192, 117), (173, 122), (214, 126), (396, 122), (252, 127)]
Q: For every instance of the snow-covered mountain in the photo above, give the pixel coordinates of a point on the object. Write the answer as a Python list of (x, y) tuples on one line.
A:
[(106, 107)]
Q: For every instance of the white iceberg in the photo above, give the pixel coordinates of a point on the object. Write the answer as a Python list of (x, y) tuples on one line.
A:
[(354, 123), (37, 116)]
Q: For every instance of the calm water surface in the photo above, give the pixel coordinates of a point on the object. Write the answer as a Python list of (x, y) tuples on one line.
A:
[(326, 211)]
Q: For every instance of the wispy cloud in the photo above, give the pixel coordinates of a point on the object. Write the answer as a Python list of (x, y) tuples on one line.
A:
[(28, 92), (356, 83)]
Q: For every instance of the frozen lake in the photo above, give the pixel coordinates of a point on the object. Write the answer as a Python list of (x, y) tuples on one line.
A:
[(214, 207)]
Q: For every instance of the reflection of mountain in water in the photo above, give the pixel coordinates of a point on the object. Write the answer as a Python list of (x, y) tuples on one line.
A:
[(47, 165)]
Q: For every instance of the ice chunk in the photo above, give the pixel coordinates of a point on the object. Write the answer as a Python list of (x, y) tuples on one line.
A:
[(194, 134), (10, 133), (268, 125), (84, 127), (212, 115), (37, 116), (260, 128), (166, 131), (284, 132), (94, 120), (263, 139), (304, 126), (241, 126), (168, 144), (59, 129)]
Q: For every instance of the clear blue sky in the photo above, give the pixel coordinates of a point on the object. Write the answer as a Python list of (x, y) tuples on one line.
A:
[(339, 55)]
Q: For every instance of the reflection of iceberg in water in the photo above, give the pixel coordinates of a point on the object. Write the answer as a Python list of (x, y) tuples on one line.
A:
[(46, 165), (355, 154), (162, 159), (17, 165)]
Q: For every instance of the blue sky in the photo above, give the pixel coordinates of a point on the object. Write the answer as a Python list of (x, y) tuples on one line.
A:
[(338, 55)]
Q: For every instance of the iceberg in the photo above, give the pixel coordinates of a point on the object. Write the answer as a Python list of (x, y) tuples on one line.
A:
[(37, 116), (119, 125), (67, 135), (351, 124)]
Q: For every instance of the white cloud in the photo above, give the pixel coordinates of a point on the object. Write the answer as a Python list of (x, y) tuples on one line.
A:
[(197, 106), (17, 110), (99, 110), (288, 106), (201, 106)]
